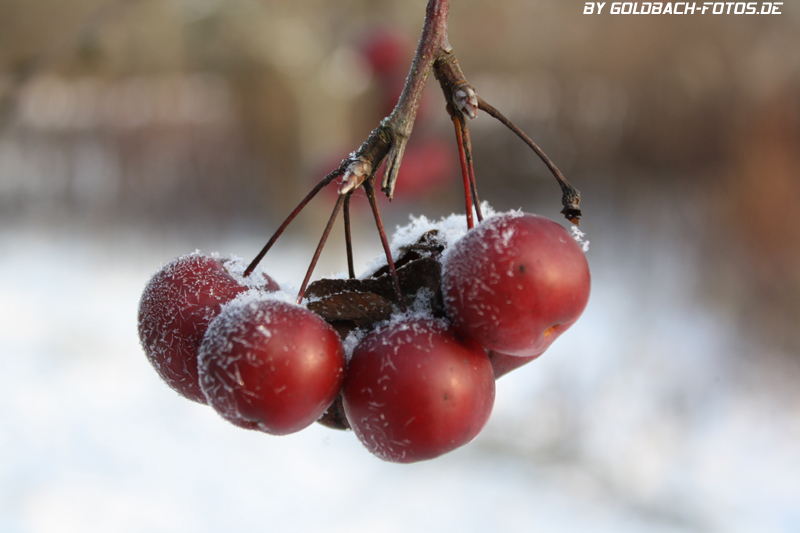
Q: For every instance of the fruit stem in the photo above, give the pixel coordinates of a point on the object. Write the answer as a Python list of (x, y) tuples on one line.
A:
[(368, 187), (323, 239), (467, 168), (462, 103), (571, 197), (457, 122), (348, 236), (473, 187), (389, 139), (457, 92), (325, 181)]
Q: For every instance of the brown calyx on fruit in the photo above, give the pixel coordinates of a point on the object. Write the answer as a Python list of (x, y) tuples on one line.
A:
[(549, 331)]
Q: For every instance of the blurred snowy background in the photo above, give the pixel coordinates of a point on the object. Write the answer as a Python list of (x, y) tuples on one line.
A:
[(133, 131)]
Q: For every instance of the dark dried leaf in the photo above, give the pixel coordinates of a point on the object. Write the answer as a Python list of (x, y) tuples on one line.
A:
[(352, 305), (358, 303)]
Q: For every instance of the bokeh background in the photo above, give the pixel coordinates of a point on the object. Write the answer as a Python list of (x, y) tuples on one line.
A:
[(133, 131)]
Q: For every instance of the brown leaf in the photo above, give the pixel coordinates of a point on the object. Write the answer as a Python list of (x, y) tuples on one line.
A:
[(352, 305)]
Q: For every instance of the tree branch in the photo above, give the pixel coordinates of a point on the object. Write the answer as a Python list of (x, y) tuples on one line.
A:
[(432, 44), (388, 141)]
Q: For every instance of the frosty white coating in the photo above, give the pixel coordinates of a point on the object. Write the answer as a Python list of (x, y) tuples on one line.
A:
[(449, 230), (176, 307), (515, 283), (259, 278), (417, 390), (580, 238), (269, 364)]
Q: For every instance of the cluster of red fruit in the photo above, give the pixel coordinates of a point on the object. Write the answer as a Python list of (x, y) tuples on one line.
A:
[(412, 386)]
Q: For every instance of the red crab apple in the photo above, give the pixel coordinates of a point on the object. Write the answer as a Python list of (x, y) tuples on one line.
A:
[(515, 283), (417, 389), (177, 305), (270, 365)]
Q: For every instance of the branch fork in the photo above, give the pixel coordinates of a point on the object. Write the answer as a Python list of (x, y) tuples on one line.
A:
[(387, 143)]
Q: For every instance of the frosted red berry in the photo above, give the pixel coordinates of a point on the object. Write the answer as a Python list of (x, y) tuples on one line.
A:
[(270, 365), (177, 305), (515, 283), (417, 389)]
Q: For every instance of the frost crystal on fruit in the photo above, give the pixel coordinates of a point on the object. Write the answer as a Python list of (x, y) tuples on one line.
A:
[(407, 354), (515, 283), (416, 389), (177, 305), (580, 238), (270, 365)]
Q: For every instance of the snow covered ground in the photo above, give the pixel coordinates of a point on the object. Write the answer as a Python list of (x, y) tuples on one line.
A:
[(643, 417)]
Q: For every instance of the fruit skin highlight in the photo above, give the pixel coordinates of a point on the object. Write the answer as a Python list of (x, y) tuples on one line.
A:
[(270, 365), (515, 283), (417, 389)]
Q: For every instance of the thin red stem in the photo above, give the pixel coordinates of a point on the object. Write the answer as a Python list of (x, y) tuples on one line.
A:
[(387, 141), (571, 198), (457, 123), (348, 237), (472, 184), (318, 187), (373, 202), (320, 246), (492, 111)]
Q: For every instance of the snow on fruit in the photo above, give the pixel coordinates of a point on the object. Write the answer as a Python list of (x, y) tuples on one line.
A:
[(417, 389), (270, 365), (515, 283), (407, 355), (177, 305), (412, 385)]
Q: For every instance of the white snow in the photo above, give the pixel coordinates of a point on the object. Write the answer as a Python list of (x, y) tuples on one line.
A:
[(450, 229), (641, 418), (580, 237)]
